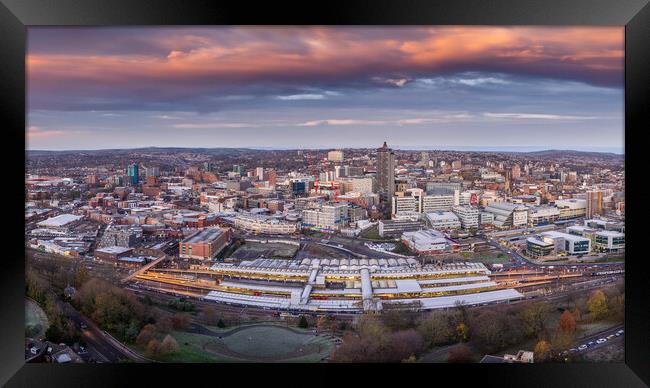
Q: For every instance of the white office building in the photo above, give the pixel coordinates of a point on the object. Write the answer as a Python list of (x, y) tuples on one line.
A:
[(330, 216), (508, 214), (468, 216), (438, 202), (565, 242), (540, 215), (443, 220), (571, 208), (609, 240)]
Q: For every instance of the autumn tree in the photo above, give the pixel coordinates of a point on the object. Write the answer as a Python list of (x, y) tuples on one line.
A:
[(209, 315), (567, 322), (168, 345), (462, 332), (324, 323), (147, 333), (80, 276), (542, 350), (153, 348), (437, 328), (562, 340), (577, 314), (597, 304), (461, 354), (181, 321), (534, 317), (406, 343)]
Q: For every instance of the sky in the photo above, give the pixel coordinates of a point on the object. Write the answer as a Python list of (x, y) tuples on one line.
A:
[(440, 87)]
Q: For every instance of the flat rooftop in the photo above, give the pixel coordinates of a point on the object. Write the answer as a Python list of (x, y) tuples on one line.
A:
[(114, 250), (60, 220), (206, 235)]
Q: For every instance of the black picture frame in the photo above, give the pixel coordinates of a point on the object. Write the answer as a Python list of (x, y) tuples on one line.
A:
[(15, 15)]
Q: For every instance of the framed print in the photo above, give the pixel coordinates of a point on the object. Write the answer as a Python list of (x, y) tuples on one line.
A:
[(217, 189)]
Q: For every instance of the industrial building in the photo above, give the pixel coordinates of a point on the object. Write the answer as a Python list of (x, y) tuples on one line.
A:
[(204, 244)]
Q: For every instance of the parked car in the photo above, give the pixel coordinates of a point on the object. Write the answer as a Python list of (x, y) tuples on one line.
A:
[(582, 347), (601, 340)]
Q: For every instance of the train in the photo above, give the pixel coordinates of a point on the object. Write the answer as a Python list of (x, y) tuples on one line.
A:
[(609, 272)]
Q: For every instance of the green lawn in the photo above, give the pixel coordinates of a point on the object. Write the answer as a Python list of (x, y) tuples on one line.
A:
[(261, 343)]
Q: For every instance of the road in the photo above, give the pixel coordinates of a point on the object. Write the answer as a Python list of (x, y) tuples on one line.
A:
[(107, 348), (594, 337)]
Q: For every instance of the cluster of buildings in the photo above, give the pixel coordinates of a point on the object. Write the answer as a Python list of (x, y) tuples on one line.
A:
[(196, 202), (594, 235)]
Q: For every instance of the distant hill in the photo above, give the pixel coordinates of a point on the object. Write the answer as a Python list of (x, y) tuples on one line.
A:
[(572, 153), (150, 150)]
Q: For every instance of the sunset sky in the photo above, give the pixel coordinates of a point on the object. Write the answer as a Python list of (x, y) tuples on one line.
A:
[(322, 87)]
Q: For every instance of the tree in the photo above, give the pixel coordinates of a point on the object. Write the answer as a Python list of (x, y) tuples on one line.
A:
[(302, 322), (461, 354), (221, 324), (534, 318), (597, 304), (168, 345), (577, 315), (181, 321), (324, 323), (54, 333), (542, 350), (147, 333), (153, 348), (567, 322), (462, 332), (80, 276), (209, 315), (437, 328), (562, 340), (406, 343)]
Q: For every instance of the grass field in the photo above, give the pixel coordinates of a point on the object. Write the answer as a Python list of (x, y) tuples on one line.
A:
[(35, 317), (491, 259), (251, 343)]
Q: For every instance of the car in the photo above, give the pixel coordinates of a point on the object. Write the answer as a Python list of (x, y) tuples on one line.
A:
[(573, 350), (590, 343), (620, 331), (609, 337), (601, 340), (582, 347), (83, 326)]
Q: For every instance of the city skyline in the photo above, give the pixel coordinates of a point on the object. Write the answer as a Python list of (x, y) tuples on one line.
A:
[(488, 88)]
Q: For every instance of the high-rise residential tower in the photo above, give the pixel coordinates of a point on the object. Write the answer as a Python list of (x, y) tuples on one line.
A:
[(386, 173), (133, 172)]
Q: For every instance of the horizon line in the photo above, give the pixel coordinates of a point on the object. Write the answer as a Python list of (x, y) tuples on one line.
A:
[(511, 149)]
